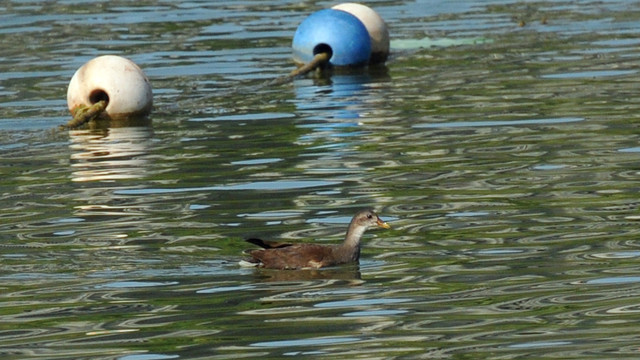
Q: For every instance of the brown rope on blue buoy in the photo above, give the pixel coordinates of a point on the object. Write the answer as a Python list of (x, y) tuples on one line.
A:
[(320, 60)]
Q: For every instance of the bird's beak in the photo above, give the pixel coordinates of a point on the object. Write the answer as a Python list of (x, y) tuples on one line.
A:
[(383, 224)]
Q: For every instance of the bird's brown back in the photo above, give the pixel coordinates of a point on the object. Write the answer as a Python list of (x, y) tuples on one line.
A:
[(297, 256)]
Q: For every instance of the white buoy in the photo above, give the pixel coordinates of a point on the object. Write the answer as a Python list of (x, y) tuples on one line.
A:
[(376, 27), (115, 79)]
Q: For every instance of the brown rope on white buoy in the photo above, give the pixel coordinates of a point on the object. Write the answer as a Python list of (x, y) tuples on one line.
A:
[(84, 114), (108, 80)]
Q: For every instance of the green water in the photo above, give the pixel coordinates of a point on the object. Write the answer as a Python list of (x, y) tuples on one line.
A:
[(505, 159)]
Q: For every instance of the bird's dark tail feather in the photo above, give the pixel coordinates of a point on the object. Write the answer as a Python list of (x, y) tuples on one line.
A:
[(267, 244)]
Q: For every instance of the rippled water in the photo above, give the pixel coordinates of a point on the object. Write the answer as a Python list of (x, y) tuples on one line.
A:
[(505, 157)]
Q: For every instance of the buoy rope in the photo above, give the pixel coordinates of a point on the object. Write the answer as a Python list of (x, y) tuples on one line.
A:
[(318, 61), (84, 114)]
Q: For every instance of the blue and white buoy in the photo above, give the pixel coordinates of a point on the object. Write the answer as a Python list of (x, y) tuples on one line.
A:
[(335, 32), (376, 27), (352, 35)]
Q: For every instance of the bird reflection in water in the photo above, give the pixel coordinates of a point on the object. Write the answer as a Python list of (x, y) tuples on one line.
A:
[(350, 273)]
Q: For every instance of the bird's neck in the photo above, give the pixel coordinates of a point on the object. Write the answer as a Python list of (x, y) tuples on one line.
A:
[(350, 248)]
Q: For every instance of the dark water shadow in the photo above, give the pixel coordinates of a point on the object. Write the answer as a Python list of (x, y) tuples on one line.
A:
[(349, 272)]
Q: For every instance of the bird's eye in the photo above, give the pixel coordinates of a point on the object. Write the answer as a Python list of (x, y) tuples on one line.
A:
[(369, 216)]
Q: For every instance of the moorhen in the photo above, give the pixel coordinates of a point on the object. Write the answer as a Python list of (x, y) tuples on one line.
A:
[(281, 255)]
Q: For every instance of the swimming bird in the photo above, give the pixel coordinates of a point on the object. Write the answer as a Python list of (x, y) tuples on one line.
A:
[(283, 256)]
